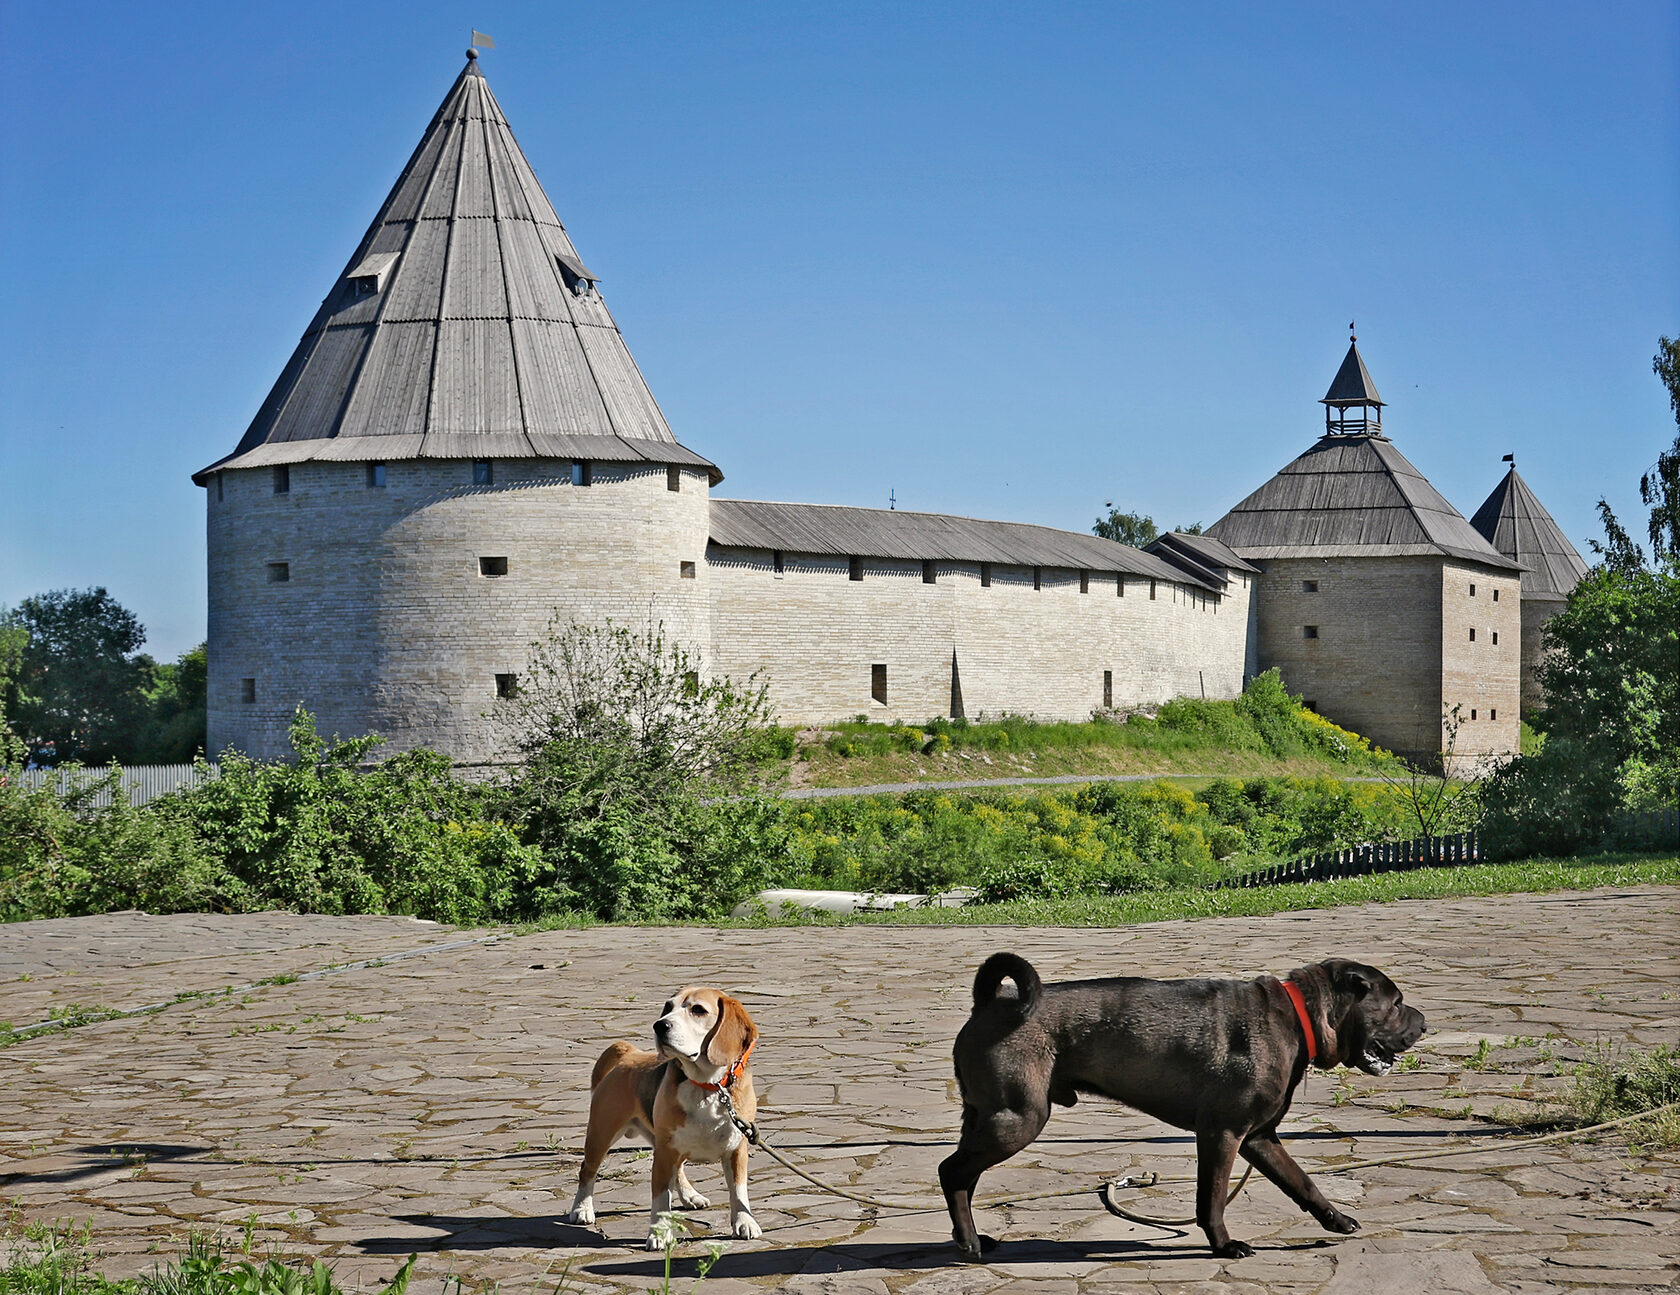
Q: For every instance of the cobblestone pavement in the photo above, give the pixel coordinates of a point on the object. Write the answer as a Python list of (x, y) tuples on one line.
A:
[(433, 1103)]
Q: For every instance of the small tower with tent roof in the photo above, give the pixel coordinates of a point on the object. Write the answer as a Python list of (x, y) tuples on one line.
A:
[(1379, 603)]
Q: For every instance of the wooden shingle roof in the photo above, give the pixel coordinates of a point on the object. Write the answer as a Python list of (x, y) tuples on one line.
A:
[(465, 325), (1351, 496), (839, 531), (1515, 522)]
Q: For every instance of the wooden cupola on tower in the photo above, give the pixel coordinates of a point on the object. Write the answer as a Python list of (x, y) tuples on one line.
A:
[(1352, 389)]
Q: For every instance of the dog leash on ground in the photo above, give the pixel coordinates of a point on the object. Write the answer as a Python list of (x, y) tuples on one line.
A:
[(749, 1130)]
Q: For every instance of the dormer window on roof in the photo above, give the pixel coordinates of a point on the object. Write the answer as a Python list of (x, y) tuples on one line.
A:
[(578, 277), (367, 276)]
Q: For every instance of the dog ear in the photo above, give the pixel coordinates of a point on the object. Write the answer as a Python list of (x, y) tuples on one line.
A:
[(733, 1034), (1354, 979)]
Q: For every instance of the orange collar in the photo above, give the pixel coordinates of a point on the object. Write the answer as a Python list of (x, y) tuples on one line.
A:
[(1294, 992), (730, 1075)]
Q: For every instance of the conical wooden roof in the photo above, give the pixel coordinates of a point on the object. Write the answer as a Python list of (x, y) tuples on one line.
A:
[(464, 325), (1516, 523), (1352, 384), (1351, 496)]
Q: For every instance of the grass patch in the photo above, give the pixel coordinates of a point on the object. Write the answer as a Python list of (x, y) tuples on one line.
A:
[(1263, 731), (56, 1260), (1527, 877), (1613, 1083)]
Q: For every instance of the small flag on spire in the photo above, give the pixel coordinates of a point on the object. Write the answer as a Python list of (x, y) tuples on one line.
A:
[(481, 41), (1509, 458)]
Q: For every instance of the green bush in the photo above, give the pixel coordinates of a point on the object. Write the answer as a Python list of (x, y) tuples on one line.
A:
[(1264, 719), (61, 858), (322, 834), (1107, 837)]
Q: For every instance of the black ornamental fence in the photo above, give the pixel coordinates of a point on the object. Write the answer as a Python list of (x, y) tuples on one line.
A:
[(1656, 829)]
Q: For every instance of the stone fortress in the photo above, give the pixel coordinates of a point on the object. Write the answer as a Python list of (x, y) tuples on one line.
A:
[(461, 448)]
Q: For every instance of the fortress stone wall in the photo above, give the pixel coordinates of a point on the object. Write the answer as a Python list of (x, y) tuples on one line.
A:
[(1381, 645), (818, 636), (387, 622)]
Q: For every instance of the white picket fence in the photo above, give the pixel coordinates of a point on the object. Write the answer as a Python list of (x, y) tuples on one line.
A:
[(143, 783)]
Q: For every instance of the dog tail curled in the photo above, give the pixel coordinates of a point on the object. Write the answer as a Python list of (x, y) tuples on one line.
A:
[(1007, 966)]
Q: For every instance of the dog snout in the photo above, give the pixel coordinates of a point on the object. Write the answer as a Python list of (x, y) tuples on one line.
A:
[(662, 1027)]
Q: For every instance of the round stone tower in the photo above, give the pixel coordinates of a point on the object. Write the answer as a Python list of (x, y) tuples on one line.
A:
[(460, 450)]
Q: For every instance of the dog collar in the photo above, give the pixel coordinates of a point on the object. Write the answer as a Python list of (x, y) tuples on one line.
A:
[(1294, 992), (730, 1075)]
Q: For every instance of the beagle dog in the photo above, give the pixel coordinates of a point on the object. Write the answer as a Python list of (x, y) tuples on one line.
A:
[(674, 1097)]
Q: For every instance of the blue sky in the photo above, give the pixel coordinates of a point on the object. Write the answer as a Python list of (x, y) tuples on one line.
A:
[(1004, 261)]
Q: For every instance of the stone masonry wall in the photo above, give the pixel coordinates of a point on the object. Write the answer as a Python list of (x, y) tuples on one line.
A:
[(815, 634), (1375, 664), (386, 623), (1481, 675), (1535, 613)]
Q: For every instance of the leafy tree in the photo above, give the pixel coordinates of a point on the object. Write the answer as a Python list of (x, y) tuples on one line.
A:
[(1135, 529), (1612, 709), (82, 681), (643, 782), (13, 639), (1194, 528), (175, 730), (1661, 488)]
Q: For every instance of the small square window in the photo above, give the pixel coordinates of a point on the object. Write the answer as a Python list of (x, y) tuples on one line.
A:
[(1151, 588), (1493, 713), (854, 569), (673, 479), (1309, 586), (929, 574), (282, 478), (1309, 631), (1311, 705), (279, 573), (376, 476), (878, 683), (507, 685), (1496, 595), (1472, 633), (483, 473), (985, 575), (582, 473), (1472, 712), (1472, 591), (1119, 586), (687, 570), (1084, 582), (691, 683), (1108, 690), (1496, 638), (247, 691), (1038, 577), (492, 566), (776, 561)]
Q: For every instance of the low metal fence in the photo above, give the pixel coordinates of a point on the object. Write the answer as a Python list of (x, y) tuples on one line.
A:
[(143, 782), (1654, 829)]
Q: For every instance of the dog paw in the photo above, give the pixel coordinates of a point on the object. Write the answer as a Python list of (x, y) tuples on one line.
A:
[(584, 1214), (1233, 1249), (694, 1201), (746, 1227), (1336, 1221), (655, 1241)]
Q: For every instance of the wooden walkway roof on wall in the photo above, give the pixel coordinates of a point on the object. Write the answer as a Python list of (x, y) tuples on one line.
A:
[(838, 531), (465, 325), (1516, 523), (1351, 496)]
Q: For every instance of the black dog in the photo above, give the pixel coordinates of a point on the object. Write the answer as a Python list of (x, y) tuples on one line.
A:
[(1220, 1057)]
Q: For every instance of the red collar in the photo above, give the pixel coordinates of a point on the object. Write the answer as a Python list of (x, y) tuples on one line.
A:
[(1294, 992), (729, 1076)]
